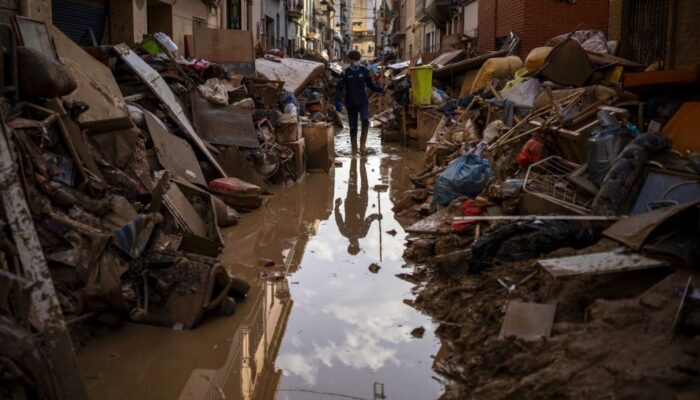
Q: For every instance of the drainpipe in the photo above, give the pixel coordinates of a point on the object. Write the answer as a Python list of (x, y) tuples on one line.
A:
[(249, 15)]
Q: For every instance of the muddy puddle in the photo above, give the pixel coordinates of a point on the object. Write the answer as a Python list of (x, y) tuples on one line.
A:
[(317, 324)]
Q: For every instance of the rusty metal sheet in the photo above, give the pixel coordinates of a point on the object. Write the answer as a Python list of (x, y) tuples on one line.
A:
[(598, 263), (528, 321), (161, 89), (224, 125), (173, 153)]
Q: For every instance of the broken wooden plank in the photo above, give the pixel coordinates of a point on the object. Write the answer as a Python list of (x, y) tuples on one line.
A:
[(598, 263), (528, 321), (157, 84)]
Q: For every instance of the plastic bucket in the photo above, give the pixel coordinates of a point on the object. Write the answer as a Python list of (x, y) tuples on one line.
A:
[(421, 84)]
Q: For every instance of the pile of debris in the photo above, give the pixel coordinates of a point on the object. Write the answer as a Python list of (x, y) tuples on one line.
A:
[(557, 231), (120, 166)]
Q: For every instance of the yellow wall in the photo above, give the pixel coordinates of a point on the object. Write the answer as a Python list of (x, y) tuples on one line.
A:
[(184, 11)]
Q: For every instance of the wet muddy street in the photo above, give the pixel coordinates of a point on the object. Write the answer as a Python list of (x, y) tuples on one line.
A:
[(317, 324)]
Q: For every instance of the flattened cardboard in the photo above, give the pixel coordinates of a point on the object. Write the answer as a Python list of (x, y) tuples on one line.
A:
[(528, 321), (232, 48)]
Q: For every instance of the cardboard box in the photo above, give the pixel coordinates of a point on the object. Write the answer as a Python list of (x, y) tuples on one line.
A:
[(299, 149), (320, 147)]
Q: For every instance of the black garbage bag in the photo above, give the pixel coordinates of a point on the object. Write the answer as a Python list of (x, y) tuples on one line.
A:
[(524, 240), (40, 76)]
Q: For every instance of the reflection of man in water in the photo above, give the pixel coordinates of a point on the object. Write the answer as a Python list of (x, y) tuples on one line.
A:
[(355, 225)]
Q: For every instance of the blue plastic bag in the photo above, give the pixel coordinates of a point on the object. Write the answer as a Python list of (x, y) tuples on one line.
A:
[(466, 176)]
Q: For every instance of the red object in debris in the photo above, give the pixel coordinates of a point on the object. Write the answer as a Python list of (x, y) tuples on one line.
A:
[(276, 52), (530, 153), (234, 186), (462, 226), (468, 208)]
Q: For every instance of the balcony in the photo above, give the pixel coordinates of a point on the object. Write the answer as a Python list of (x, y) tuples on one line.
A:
[(295, 10), (437, 10), (421, 15)]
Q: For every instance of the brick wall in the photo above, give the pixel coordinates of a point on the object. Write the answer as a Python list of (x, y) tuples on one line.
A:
[(685, 49), (537, 21), (615, 20), (487, 26), (548, 18)]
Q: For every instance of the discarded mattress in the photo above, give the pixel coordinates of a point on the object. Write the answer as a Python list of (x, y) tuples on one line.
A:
[(295, 73)]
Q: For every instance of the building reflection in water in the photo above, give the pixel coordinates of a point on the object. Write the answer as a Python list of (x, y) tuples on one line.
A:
[(280, 233)]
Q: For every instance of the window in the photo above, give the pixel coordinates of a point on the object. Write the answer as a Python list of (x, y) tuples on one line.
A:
[(370, 49), (234, 14), (199, 22)]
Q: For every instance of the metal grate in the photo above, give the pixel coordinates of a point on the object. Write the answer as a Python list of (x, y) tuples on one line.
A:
[(646, 30), (548, 180)]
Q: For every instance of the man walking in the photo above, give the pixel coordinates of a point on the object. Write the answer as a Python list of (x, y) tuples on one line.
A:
[(353, 81)]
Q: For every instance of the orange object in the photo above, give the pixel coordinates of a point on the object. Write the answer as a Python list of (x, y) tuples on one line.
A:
[(684, 127)]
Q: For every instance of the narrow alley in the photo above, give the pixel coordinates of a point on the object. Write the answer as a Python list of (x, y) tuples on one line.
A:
[(349, 199), (316, 320)]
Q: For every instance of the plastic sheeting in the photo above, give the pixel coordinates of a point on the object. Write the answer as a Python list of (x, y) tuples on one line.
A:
[(466, 176)]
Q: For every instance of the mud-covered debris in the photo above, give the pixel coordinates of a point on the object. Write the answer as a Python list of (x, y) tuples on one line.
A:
[(418, 332), (374, 268), (392, 232)]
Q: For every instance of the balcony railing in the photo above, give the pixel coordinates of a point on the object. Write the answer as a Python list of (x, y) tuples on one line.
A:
[(421, 15)]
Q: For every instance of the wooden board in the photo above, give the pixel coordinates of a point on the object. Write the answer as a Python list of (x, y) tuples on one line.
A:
[(223, 45), (230, 47), (597, 264), (96, 84), (173, 153)]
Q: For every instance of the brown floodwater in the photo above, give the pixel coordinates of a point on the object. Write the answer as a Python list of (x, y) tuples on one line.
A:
[(316, 325)]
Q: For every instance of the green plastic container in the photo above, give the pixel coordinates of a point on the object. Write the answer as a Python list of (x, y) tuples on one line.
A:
[(421, 84)]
